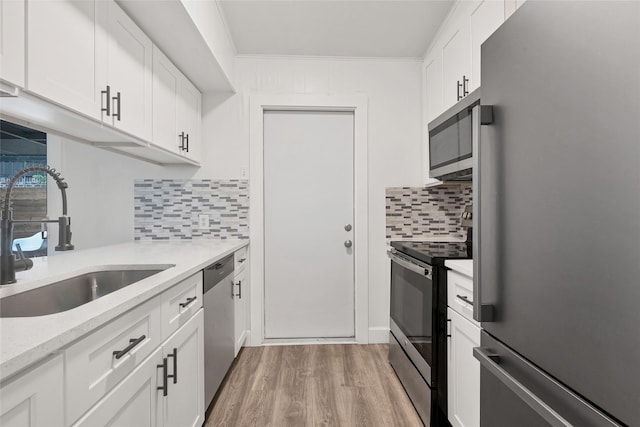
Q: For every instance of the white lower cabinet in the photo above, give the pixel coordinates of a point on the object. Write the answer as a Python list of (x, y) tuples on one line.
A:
[(463, 374), (241, 297), (184, 351), (133, 402), (34, 398), (167, 389), (240, 310)]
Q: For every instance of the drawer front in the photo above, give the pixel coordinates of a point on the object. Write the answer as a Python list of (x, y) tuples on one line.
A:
[(180, 303), (240, 258), (101, 360), (460, 294)]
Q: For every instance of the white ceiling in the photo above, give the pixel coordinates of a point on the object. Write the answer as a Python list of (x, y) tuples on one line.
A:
[(353, 28)]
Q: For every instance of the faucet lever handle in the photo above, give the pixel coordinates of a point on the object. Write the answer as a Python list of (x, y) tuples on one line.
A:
[(20, 253)]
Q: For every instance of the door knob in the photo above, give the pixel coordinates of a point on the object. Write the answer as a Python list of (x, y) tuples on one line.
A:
[(348, 243), (348, 227)]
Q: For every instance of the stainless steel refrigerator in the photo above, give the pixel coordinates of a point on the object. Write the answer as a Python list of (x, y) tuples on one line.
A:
[(557, 221)]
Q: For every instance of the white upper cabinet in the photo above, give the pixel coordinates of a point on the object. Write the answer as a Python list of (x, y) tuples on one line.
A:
[(176, 109), (456, 66), (129, 56), (165, 102), (66, 54), (90, 57), (433, 86), (486, 17), (12, 41), (189, 119)]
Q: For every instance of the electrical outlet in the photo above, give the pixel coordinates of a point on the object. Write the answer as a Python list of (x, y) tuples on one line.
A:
[(203, 222)]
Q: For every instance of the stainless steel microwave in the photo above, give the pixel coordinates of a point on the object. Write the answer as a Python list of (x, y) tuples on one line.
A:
[(451, 140)]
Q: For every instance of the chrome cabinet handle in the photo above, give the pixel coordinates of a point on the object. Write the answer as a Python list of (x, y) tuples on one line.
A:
[(465, 80), (348, 243), (187, 139), (348, 227), (464, 299), (492, 363), (174, 355), (459, 97), (132, 343)]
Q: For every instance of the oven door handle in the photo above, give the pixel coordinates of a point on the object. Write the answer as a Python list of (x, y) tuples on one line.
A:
[(424, 271)]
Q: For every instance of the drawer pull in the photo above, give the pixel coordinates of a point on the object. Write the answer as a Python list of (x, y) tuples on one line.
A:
[(464, 299), (164, 387), (187, 302), (242, 260), (132, 343), (239, 294), (174, 355)]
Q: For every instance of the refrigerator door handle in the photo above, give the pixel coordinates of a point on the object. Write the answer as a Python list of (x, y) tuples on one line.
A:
[(491, 362), (480, 115)]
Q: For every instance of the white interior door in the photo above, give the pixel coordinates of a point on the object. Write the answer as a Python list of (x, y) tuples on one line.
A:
[(308, 201)]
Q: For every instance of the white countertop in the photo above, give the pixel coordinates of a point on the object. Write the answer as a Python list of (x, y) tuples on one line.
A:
[(462, 266), (25, 340)]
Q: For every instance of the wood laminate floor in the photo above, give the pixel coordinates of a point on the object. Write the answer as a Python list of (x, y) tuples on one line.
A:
[(313, 385)]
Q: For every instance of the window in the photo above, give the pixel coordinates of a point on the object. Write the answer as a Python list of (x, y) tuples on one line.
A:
[(21, 147)]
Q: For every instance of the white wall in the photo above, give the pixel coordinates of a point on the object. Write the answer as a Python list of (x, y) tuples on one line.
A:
[(393, 89), (100, 193)]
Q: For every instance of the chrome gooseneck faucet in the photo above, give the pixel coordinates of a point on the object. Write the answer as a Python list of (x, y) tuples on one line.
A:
[(9, 264)]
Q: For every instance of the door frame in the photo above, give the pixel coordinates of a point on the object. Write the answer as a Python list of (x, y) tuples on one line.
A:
[(357, 104)]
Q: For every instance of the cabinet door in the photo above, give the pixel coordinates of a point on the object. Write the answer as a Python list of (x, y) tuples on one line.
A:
[(486, 17), (241, 286), (165, 102), (66, 53), (12, 41), (92, 367), (434, 86), (455, 61), (129, 54), (180, 303), (134, 402), (463, 376), (189, 110), (184, 404), (34, 398)]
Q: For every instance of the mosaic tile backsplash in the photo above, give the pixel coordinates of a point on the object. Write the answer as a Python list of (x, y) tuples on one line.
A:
[(416, 212), (168, 209)]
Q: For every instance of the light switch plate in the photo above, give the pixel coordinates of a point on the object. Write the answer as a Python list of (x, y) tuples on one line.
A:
[(203, 222)]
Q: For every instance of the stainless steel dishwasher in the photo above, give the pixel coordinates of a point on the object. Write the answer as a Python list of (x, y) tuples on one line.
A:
[(218, 324)]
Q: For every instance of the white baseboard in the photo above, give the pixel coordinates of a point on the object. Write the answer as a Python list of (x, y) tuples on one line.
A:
[(379, 335)]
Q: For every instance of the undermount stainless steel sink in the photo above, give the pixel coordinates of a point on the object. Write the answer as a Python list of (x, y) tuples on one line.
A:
[(73, 292)]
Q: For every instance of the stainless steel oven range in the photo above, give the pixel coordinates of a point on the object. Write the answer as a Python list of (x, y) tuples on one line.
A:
[(418, 338)]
